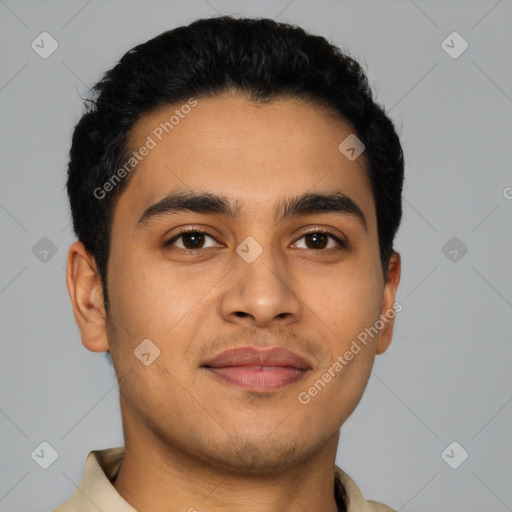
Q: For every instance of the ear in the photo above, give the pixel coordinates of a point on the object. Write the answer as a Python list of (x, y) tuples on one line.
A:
[(86, 294), (387, 314)]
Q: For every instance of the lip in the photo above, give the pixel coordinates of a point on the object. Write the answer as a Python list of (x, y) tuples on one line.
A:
[(258, 370)]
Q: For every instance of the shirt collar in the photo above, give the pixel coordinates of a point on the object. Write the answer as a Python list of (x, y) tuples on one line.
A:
[(102, 467)]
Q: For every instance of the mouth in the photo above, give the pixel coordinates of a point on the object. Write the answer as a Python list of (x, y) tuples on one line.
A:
[(258, 370)]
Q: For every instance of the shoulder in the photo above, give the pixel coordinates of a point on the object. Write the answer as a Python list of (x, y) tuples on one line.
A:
[(356, 500)]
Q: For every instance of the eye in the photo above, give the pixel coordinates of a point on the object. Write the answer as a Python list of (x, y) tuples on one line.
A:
[(196, 239), (191, 239), (320, 240)]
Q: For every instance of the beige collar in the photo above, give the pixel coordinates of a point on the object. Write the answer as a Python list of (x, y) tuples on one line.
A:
[(103, 465)]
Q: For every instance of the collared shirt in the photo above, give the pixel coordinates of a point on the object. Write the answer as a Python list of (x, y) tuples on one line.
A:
[(96, 491)]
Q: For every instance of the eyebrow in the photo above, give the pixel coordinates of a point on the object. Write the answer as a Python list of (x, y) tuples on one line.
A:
[(213, 204)]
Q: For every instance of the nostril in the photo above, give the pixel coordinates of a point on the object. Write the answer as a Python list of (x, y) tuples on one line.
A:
[(241, 313)]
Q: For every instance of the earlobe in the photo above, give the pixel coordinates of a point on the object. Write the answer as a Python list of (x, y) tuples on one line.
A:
[(86, 294), (388, 311)]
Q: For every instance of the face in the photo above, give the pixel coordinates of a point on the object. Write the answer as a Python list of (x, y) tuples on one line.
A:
[(258, 269)]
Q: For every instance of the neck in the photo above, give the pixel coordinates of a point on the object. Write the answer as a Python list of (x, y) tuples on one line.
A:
[(157, 476)]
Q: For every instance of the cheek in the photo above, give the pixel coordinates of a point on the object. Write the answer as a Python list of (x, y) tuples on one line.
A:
[(337, 388), (154, 300), (348, 300)]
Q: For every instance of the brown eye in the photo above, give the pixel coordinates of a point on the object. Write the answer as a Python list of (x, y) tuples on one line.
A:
[(317, 240), (190, 240), (320, 240)]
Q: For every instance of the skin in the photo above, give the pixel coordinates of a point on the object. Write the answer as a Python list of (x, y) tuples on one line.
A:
[(191, 439)]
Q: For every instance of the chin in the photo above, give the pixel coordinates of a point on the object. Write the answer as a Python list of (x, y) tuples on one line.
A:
[(248, 455)]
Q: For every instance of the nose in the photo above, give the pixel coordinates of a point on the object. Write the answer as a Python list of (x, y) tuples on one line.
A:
[(261, 293)]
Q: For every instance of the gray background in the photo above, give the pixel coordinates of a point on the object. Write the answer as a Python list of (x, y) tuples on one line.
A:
[(447, 375)]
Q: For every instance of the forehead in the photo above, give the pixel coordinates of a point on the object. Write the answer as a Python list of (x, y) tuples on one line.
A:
[(256, 153)]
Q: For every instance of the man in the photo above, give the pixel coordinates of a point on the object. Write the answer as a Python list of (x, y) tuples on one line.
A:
[(235, 192)]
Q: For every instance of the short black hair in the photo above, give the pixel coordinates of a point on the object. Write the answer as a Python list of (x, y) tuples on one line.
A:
[(257, 57)]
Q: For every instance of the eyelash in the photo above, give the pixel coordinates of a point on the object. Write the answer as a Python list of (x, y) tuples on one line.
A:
[(341, 243)]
